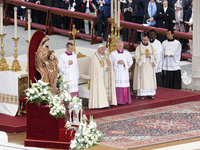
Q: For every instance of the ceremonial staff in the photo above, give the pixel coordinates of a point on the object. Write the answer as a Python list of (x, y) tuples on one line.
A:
[(73, 32)]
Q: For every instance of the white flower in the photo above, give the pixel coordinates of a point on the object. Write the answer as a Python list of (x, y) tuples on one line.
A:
[(73, 144)]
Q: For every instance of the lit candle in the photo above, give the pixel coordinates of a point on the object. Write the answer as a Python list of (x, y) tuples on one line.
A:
[(29, 24), (15, 21), (115, 11), (118, 23), (111, 9), (1, 18)]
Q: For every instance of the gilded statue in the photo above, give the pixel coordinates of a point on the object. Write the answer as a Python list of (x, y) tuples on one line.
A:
[(46, 64)]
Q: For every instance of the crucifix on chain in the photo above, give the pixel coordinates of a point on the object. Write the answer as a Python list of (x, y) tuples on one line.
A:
[(73, 32)]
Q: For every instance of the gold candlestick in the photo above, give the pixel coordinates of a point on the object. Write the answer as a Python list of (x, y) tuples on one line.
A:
[(15, 65), (118, 31), (27, 41), (3, 64), (112, 45), (73, 32)]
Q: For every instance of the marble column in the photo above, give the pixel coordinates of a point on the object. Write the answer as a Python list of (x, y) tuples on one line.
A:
[(196, 44)]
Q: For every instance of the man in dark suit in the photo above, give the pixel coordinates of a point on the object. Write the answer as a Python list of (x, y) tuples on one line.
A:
[(56, 18), (89, 7), (140, 10), (102, 16), (37, 16), (76, 5), (64, 4)]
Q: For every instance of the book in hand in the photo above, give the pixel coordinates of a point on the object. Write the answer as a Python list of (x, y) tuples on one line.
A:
[(169, 50)]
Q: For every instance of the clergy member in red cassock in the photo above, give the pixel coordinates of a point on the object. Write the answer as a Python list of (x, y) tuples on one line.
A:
[(67, 65), (102, 83), (122, 61)]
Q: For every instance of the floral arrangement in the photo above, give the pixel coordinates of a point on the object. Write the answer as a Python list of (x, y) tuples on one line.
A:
[(75, 100), (39, 93), (86, 135), (57, 109)]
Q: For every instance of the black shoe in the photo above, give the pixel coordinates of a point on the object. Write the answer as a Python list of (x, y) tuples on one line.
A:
[(151, 97)]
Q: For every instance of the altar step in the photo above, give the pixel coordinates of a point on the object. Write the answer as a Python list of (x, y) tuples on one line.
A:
[(12, 124), (164, 97)]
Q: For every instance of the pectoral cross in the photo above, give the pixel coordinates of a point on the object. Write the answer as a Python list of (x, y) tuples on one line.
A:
[(73, 32)]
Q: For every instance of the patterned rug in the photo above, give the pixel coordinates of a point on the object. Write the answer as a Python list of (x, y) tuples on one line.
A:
[(153, 126)]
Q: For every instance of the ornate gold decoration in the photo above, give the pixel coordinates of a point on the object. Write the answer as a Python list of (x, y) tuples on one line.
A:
[(88, 84), (80, 55), (11, 99), (118, 32), (22, 86), (101, 63), (3, 64), (115, 36), (73, 32), (15, 65), (27, 41), (146, 51)]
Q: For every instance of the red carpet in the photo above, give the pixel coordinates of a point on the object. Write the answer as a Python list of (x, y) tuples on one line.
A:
[(163, 97), (12, 124)]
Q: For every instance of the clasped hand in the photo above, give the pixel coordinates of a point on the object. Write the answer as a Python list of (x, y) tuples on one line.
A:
[(107, 68), (70, 62), (121, 62), (147, 55), (169, 55)]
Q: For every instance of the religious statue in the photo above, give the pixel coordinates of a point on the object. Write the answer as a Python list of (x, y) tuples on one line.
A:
[(46, 64)]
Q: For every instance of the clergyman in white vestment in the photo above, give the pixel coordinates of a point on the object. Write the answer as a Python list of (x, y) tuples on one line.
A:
[(158, 46), (67, 65), (102, 84), (144, 76), (171, 62), (122, 61)]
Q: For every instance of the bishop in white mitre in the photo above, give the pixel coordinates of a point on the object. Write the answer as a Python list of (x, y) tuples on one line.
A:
[(158, 46), (144, 76), (102, 84), (122, 61), (67, 65)]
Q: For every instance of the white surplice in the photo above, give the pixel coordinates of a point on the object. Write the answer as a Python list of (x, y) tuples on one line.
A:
[(71, 72), (172, 63), (158, 46), (121, 71)]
